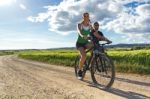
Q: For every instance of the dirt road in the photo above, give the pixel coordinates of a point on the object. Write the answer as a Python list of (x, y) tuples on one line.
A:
[(23, 79)]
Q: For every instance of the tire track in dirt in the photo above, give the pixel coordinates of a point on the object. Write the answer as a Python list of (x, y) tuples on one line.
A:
[(35, 80)]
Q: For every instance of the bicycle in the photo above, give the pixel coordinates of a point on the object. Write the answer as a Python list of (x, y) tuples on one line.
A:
[(100, 65)]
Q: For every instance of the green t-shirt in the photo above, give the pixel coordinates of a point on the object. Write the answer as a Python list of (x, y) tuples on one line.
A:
[(81, 39)]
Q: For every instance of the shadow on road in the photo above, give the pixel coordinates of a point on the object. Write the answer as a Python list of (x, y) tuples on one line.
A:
[(133, 81), (119, 92)]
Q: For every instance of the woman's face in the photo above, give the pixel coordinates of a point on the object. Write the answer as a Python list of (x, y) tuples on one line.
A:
[(86, 17)]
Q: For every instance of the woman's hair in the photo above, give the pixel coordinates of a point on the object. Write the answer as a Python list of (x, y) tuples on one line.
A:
[(85, 13), (83, 17)]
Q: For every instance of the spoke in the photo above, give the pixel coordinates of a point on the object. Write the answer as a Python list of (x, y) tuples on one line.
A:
[(103, 71)]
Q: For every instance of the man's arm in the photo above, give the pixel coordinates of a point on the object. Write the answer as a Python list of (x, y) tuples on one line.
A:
[(97, 35), (101, 37), (106, 39)]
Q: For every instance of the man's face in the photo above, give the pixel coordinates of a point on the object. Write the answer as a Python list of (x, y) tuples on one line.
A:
[(96, 26)]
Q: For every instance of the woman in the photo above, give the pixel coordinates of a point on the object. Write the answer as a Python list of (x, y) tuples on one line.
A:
[(84, 28)]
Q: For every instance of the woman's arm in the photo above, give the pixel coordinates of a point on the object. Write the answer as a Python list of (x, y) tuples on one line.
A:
[(79, 29)]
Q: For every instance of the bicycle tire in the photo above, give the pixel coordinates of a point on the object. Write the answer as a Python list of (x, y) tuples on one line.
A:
[(104, 58)]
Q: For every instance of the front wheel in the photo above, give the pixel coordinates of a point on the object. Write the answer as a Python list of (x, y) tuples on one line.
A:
[(103, 71)]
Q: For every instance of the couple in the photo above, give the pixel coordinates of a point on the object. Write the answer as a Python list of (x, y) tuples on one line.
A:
[(84, 29)]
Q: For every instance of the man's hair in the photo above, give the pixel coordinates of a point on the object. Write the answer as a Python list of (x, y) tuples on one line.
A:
[(96, 23)]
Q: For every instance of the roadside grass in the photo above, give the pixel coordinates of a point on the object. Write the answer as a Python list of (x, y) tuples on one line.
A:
[(127, 61), (6, 53)]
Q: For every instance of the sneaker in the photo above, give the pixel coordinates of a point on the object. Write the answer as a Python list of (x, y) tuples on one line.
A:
[(79, 74)]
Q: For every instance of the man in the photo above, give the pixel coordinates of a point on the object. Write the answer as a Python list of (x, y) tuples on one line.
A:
[(98, 35)]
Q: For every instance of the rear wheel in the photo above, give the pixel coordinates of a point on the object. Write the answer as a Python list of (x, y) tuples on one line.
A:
[(103, 71)]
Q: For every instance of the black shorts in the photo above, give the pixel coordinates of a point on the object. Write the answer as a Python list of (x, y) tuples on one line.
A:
[(81, 45)]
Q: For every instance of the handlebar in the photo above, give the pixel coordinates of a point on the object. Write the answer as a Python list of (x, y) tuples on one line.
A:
[(90, 39), (104, 42), (97, 46)]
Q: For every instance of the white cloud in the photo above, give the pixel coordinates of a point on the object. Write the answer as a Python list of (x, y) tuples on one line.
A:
[(22, 6), (41, 17), (132, 24), (6, 2), (113, 15), (64, 17), (137, 38), (143, 10), (30, 18)]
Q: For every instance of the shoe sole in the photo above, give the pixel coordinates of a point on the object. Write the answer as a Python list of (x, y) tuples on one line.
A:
[(80, 78)]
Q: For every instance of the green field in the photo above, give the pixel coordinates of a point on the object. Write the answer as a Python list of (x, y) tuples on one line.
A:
[(6, 52), (126, 60)]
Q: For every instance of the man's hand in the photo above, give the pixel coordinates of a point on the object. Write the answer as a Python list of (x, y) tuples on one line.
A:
[(109, 42)]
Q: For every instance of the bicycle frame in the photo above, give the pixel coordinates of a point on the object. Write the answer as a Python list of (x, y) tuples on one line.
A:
[(98, 62), (99, 48)]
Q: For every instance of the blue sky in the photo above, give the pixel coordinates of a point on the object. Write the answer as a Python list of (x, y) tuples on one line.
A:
[(39, 24)]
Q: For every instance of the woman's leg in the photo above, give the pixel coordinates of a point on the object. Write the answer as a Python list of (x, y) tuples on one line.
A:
[(89, 45), (82, 57)]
